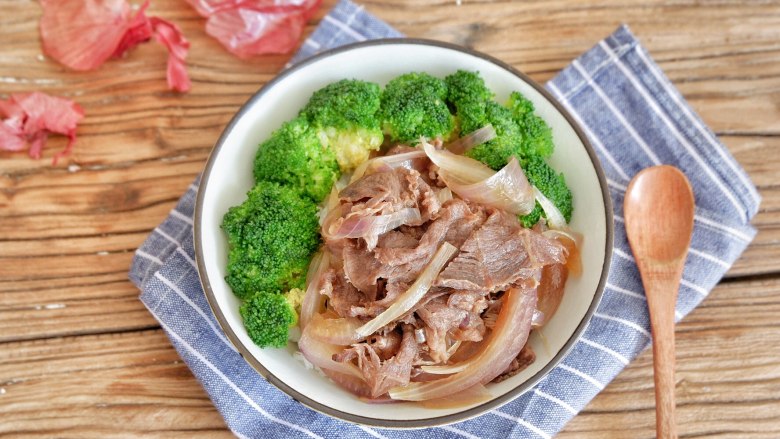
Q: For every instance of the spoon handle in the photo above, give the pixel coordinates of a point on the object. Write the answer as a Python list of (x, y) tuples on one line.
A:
[(663, 291)]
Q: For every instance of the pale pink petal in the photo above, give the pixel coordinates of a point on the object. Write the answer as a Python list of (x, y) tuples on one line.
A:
[(171, 37), (256, 27), (35, 115), (82, 35), (11, 138), (247, 32)]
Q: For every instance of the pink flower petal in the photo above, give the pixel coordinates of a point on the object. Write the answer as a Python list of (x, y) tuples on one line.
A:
[(171, 37), (84, 34), (256, 27), (11, 137), (30, 117)]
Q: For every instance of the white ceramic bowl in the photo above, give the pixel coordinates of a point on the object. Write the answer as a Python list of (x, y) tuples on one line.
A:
[(228, 176)]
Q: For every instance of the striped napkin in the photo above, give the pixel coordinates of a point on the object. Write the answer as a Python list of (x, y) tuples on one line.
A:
[(633, 116)]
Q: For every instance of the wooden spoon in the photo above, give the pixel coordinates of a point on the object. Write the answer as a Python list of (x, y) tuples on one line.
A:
[(658, 211)]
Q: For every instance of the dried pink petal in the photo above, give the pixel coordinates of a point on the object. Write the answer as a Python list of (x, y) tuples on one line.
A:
[(84, 34), (255, 27), (30, 117)]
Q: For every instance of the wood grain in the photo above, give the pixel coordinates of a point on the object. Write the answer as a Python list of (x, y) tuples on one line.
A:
[(71, 326)]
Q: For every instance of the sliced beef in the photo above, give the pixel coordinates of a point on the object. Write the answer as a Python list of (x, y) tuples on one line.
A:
[(382, 375), (472, 301), (472, 328), (395, 239), (455, 222), (374, 308), (499, 254), (364, 270), (439, 320), (342, 296), (388, 192)]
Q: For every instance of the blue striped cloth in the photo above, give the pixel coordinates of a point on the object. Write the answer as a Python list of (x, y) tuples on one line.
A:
[(634, 117)]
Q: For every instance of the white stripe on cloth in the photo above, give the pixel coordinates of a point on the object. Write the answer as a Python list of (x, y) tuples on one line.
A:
[(582, 375), (230, 383), (702, 129), (637, 138), (623, 254), (625, 322), (672, 128), (145, 255), (187, 257), (622, 290), (170, 238), (716, 225), (563, 404), (371, 432), (522, 422), (344, 28), (181, 216), (694, 287), (616, 185), (709, 257), (452, 429), (603, 348), (592, 137), (195, 307)]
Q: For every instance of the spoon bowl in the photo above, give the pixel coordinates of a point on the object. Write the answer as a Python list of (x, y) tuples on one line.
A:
[(659, 209), (663, 196)]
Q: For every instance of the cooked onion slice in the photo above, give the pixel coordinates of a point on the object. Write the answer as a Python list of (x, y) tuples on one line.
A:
[(321, 354), (313, 301), (386, 163), (339, 331), (508, 189), (538, 319), (478, 137), (364, 226), (554, 216), (465, 169), (408, 299), (506, 341), (444, 195)]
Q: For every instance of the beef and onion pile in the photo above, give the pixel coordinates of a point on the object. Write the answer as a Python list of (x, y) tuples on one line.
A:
[(427, 285)]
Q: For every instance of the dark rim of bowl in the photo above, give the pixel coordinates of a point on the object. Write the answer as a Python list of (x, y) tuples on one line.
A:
[(392, 423)]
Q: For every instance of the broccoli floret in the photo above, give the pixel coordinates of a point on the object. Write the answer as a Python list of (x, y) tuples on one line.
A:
[(344, 114), (271, 238), (413, 106), (268, 318), (551, 184), (496, 153), (537, 136), (294, 156), (467, 97)]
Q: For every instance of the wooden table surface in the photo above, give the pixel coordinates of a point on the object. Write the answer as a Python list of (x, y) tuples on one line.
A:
[(80, 356)]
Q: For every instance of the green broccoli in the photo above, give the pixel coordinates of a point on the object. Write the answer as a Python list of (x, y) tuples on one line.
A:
[(344, 114), (549, 183), (294, 156), (413, 106), (467, 97), (271, 238), (537, 136), (269, 316), (496, 153)]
